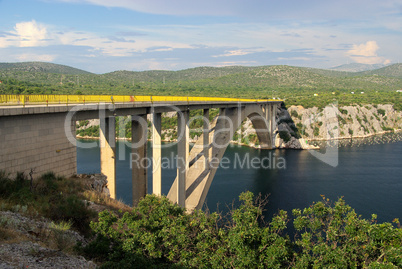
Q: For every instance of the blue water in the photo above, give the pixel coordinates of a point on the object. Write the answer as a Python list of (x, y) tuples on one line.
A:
[(368, 176)]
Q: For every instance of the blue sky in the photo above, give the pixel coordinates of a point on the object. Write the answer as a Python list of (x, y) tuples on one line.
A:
[(106, 35)]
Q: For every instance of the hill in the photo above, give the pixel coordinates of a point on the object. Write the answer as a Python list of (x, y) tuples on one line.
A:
[(295, 84), (356, 67), (40, 67), (394, 70), (191, 74)]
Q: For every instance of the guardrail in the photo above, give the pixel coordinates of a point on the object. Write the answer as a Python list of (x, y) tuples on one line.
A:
[(10, 99)]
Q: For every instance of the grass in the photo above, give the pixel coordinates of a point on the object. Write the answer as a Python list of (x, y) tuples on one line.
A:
[(68, 203), (62, 200)]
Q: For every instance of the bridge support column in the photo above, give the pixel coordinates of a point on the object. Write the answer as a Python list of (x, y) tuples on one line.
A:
[(205, 134), (139, 135), (156, 153), (183, 132), (108, 152), (273, 122), (267, 111)]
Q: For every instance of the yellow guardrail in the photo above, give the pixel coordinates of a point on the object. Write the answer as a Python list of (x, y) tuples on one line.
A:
[(12, 99)]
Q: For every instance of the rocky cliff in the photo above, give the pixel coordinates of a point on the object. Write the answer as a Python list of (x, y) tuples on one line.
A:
[(335, 122), (298, 126)]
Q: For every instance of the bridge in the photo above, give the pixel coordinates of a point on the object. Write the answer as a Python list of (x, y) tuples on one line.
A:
[(37, 132)]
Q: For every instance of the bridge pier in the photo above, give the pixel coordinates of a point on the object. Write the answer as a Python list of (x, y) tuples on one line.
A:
[(139, 137), (191, 186), (272, 123), (205, 135), (107, 135), (156, 153), (183, 134)]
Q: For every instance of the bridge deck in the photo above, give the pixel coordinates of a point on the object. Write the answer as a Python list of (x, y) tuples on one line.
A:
[(120, 109)]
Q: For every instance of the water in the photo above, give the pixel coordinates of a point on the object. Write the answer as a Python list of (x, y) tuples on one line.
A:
[(368, 177)]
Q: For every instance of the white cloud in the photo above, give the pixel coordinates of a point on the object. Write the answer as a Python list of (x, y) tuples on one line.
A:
[(31, 33), (34, 34), (366, 53), (229, 53)]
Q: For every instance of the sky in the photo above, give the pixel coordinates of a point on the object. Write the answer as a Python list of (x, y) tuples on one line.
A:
[(102, 36)]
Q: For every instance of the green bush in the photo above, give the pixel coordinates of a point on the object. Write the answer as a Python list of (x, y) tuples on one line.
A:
[(285, 136), (159, 234), (294, 114), (381, 112), (334, 236), (316, 131)]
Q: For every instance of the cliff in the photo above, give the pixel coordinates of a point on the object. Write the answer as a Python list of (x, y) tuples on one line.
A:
[(297, 126), (345, 122)]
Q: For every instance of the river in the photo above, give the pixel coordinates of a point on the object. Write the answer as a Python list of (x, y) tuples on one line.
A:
[(368, 176)]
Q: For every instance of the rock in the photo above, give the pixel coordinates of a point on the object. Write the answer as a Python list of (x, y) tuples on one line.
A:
[(99, 184), (32, 255), (31, 228), (345, 122)]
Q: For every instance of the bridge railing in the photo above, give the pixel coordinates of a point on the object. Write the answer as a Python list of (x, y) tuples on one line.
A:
[(35, 99)]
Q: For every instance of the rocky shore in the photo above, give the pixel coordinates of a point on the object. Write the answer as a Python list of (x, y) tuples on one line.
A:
[(299, 127)]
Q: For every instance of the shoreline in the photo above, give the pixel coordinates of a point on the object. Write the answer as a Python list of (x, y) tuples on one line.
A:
[(258, 147), (352, 137)]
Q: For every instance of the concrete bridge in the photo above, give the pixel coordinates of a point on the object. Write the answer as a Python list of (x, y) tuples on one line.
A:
[(39, 135)]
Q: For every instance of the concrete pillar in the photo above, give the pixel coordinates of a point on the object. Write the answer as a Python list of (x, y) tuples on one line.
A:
[(206, 138), (266, 110), (183, 132), (273, 123), (108, 152), (268, 117), (156, 153), (273, 115), (219, 140), (139, 135)]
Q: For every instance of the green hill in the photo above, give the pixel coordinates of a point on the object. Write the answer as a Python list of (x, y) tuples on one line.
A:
[(394, 70), (192, 74), (295, 84), (40, 67), (356, 67)]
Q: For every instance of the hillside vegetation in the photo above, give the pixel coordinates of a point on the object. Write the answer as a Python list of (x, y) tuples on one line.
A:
[(41, 67), (297, 85), (40, 221)]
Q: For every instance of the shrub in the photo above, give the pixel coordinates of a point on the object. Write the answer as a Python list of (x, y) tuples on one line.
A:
[(159, 234), (70, 208), (47, 196), (381, 112), (335, 236), (341, 120), (62, 239), (285, 136), (316, 131)]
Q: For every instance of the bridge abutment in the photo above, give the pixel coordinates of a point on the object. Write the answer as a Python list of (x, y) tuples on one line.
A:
[(39, 143)]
